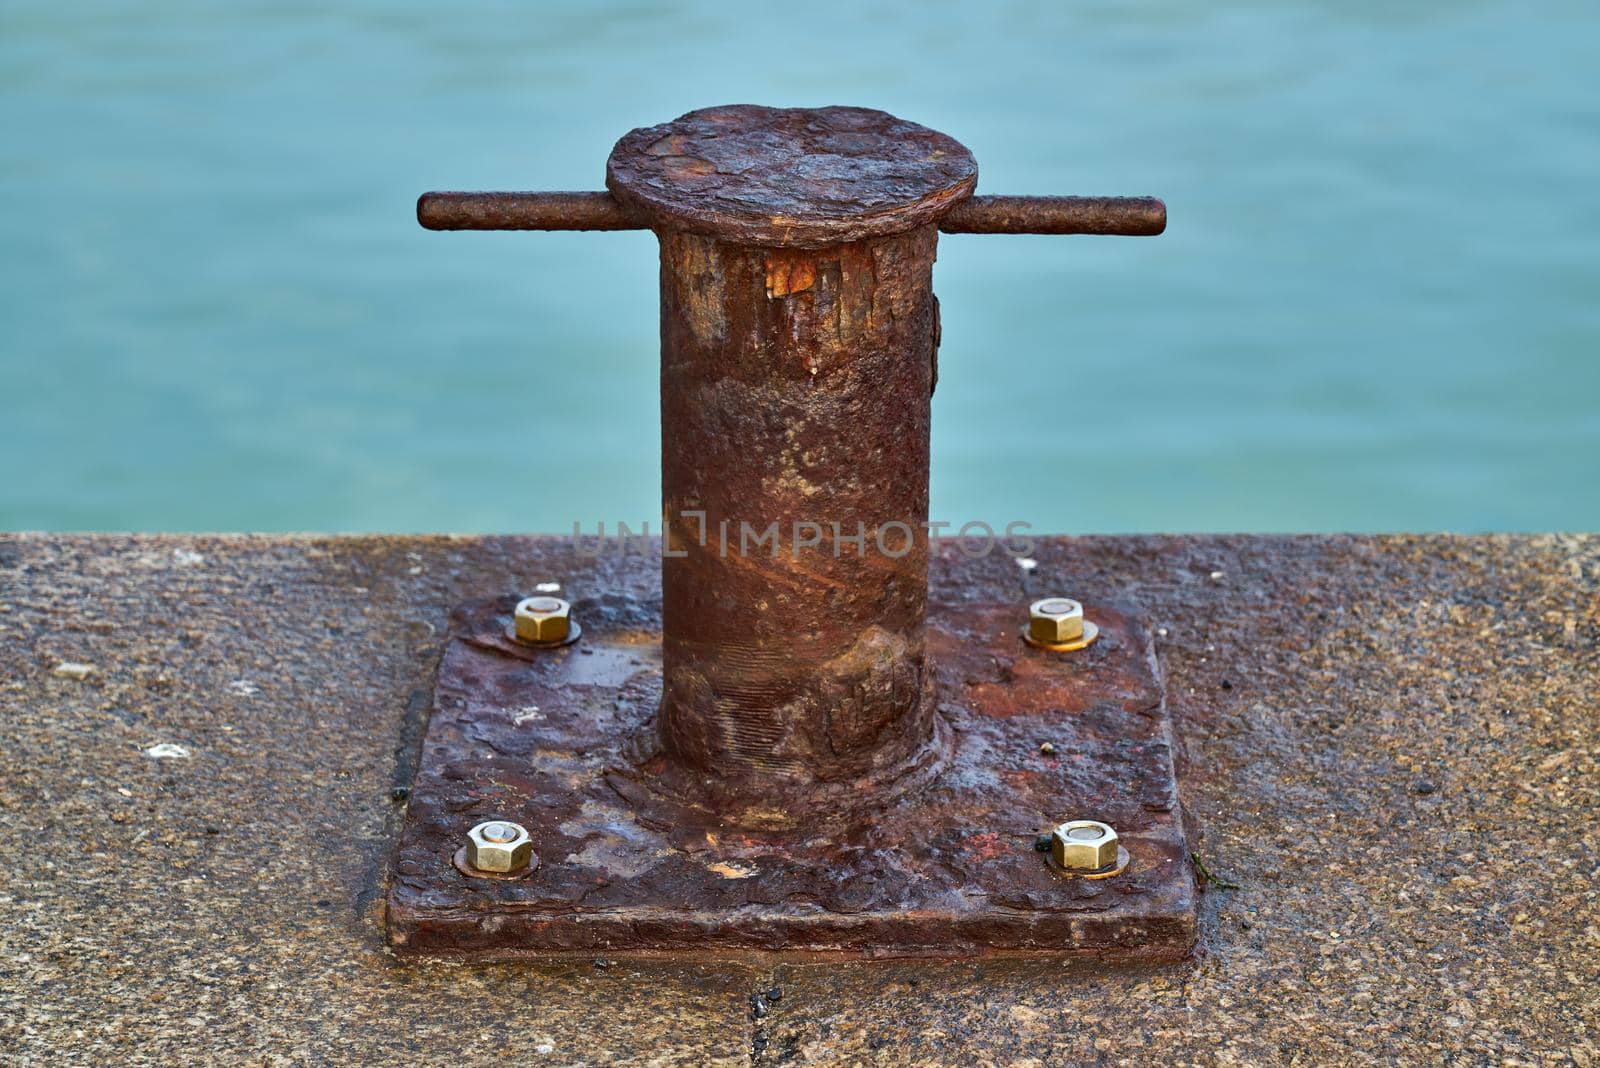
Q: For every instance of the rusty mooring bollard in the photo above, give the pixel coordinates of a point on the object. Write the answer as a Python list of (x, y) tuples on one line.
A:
[(834, 765), (798, 338)]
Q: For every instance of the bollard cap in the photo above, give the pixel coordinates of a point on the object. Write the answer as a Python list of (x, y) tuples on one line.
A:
[(790, 177)]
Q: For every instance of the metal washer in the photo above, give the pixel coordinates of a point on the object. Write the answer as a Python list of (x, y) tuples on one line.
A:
[(1090, 633), (1123, 860), (460, 861), (573, 633)]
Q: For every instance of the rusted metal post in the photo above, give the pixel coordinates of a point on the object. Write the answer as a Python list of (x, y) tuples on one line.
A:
[(798, 337), (834, 765), (794, 614)]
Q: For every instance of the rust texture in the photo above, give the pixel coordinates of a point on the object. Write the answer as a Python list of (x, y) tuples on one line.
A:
[(795, 760), (795, 390), (564, 742), (1124, 216), (796, 177), (523, 211)]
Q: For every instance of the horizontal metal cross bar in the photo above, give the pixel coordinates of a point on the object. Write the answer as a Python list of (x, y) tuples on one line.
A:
[(1125, 216)]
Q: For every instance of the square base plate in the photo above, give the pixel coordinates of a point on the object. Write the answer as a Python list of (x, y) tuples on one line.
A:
[(559, 740)]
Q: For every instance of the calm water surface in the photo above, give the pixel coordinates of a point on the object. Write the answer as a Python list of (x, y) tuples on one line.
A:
[(1376, 306)]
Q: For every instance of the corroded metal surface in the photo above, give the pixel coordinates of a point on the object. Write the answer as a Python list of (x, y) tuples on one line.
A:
[(795, 390), (638, 860), (799, 338), (1126, 216), (523, 211), (796, 689), (797, 177)]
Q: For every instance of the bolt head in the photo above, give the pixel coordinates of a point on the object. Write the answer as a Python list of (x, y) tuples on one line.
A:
[(1084, 845), (543, 619), (499, 846), (1055, 620)]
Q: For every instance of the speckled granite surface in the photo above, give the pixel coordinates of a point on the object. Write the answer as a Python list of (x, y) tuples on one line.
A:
[(1392, 752)]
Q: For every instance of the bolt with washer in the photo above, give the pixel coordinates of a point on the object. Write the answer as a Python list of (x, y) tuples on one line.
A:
[(542, 620), (499, 846), (1057, 624), (1088, 848)]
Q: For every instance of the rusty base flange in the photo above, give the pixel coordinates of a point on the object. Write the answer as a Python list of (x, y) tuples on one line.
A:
[(561, 741)]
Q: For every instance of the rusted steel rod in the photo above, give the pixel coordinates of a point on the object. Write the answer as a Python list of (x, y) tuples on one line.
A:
[(1123, 216), (523, 211)]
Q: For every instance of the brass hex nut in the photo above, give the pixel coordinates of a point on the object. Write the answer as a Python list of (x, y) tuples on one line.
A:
[(1055, 621), (499, 846), (543, 619), (1084, 845)]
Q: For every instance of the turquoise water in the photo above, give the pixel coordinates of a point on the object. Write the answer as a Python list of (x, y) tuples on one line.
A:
[(1375, 308)]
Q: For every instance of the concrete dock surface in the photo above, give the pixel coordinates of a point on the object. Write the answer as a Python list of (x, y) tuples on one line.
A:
[(1391, 750)]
